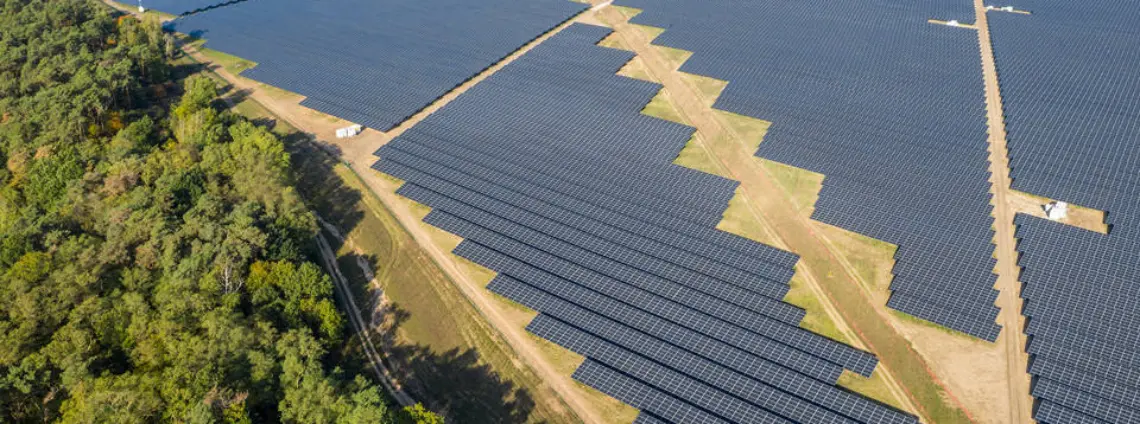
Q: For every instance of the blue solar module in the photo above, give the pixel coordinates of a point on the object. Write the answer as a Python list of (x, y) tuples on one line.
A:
[(180, 7), (1071, 98), (887, 106), (586, 220), (647, 418), (373, 62)]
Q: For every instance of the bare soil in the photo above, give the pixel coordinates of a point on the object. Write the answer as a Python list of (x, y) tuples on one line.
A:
[(765, 200), (1078, 216), (357, 152), (1012, 340)]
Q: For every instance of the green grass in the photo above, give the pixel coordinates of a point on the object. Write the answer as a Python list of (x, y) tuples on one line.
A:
[(149, 12), (874, 387), (709, 88), (871, 259), (634, 69), (676, 57), (694, 156), (801, 185), (816, 319), (660, 107), (449, 358), (738, 219), (235, 65), (911, 319), (230, 63), (459, 364), (750, 130), (865, 256)]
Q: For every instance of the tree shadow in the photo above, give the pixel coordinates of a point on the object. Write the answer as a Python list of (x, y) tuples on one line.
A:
[(456, 383), (180, 71), (230, 96), (319, 184)]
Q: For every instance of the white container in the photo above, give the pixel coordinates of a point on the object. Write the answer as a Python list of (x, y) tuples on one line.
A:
[(349, 131)]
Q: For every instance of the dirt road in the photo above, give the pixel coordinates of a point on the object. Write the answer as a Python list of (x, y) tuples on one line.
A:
[(1012, 339), (843, 296), (362, 330), (357, 152)]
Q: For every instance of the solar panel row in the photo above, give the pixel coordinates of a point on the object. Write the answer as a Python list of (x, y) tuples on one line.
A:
[(556, 181), (373, 62), (1069, 86), (181, 7), (887, 106), (1080, 297)]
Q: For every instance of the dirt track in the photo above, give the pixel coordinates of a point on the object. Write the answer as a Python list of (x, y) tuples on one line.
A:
[(358, 153), (736, 161), (362, 329), (1012, 340)]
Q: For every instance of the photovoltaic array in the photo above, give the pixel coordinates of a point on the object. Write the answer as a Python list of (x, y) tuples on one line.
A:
[(1071, 89), (887, 106), (557, 182), (180, 7), (373, 62), (1071, 93)]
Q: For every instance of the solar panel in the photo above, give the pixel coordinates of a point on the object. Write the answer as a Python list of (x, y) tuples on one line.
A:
[(901, 126), (180, 7), (372, 62), (586, 219), (1067, 74)]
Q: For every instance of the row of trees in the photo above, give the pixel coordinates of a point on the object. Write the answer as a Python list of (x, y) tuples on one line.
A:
[(154, 256)]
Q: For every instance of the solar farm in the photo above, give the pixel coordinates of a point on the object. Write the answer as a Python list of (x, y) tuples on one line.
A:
[(1078, 140), (901, 126), (183, 7), (557, 181), (373, 63), (614, 261)]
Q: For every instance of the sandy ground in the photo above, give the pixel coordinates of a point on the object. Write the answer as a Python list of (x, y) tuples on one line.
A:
[(1078, 216), (736, 161), (971, 370), (361, 328), (357, 152), (976, 374), (1012, 340)]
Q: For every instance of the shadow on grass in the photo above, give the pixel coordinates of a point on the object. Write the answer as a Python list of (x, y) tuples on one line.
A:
[(455, 382), (234, 97), (320, 186)]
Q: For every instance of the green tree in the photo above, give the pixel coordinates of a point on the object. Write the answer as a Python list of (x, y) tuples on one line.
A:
[(417, 414), (153, 262)]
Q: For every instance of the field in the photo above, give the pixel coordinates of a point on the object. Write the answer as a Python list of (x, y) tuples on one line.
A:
[(852, 270), (417, 299), (445, 354), (450, 359)]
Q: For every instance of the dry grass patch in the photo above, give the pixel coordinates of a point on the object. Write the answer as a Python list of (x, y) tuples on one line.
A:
[(1078, 216)]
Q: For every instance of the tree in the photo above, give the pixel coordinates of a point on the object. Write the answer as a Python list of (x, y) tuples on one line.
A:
[(153, 261), (417, 414)]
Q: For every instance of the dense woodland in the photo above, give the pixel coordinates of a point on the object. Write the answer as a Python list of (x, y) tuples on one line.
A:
[(154, 257)]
